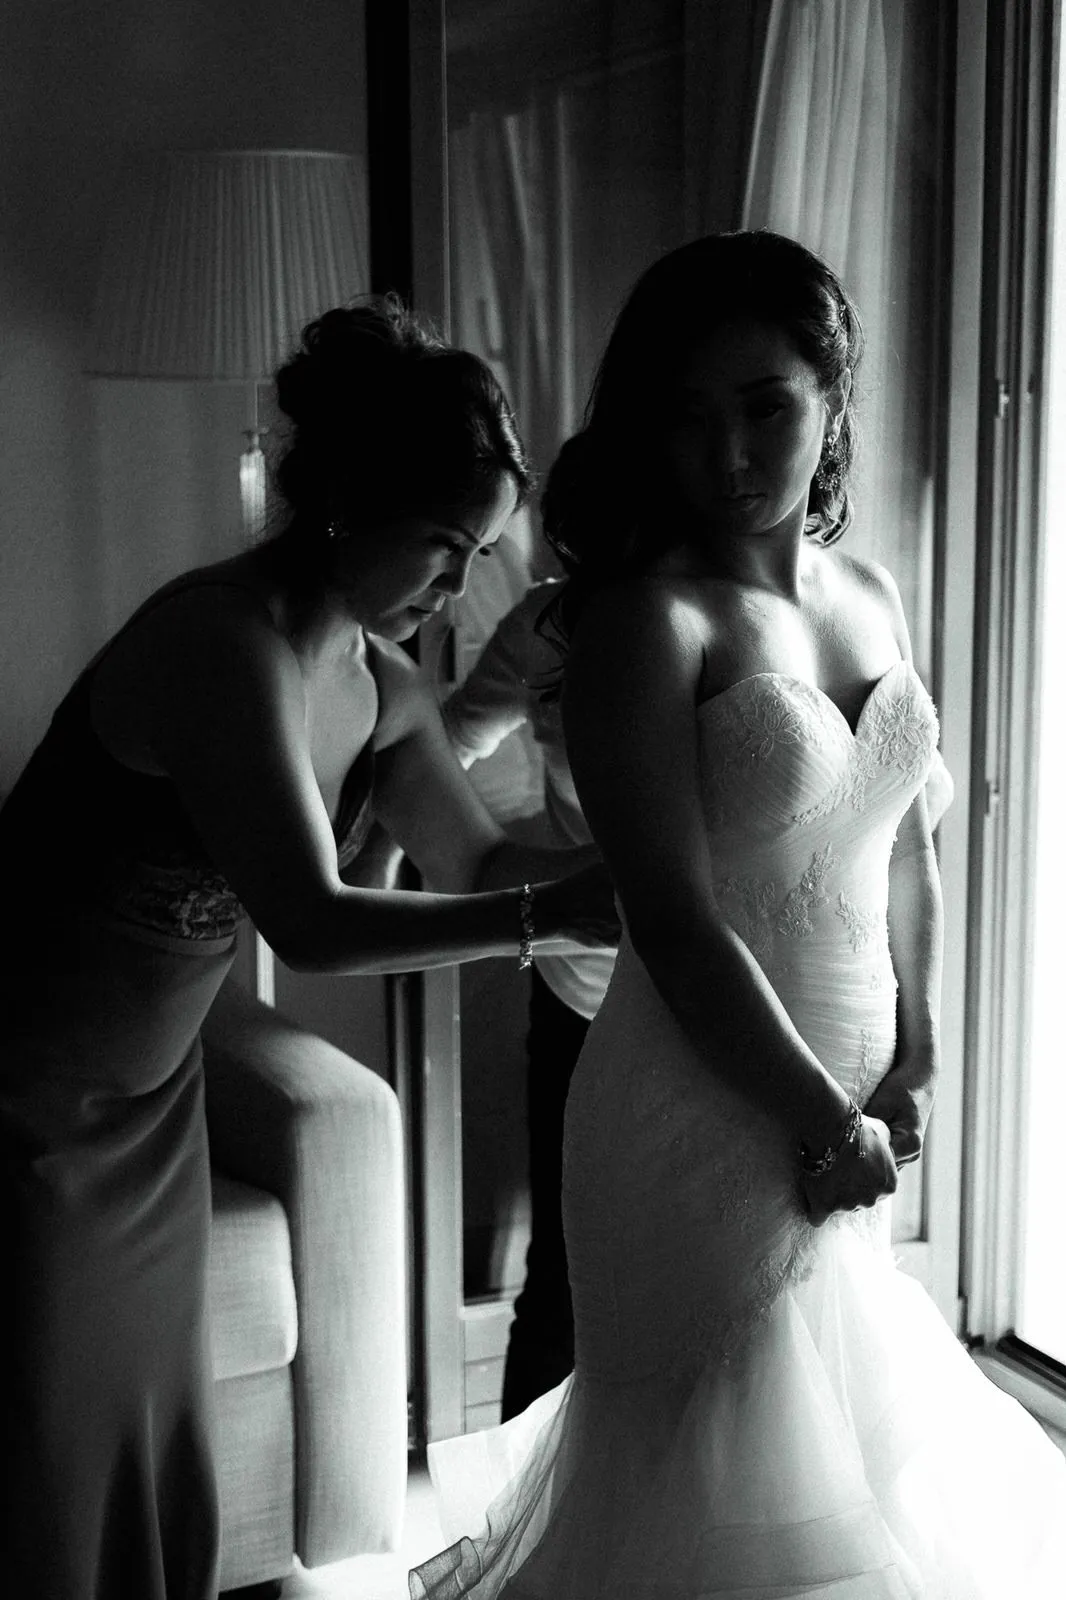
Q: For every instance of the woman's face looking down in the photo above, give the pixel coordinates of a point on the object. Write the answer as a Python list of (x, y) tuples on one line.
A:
[(392, 577)]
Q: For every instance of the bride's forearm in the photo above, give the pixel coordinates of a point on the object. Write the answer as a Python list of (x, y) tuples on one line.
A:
[(732, 1015), (916, 939)]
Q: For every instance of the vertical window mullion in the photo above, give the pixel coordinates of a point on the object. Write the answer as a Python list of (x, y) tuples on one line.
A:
[(1009, 533)]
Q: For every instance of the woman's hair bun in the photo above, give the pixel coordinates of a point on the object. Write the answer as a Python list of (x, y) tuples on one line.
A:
[(352, 348), (388, 421)]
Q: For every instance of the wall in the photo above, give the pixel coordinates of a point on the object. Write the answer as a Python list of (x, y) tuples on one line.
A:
[(106, 488)]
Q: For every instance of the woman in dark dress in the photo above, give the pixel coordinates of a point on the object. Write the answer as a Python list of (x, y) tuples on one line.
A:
[(222, 757)]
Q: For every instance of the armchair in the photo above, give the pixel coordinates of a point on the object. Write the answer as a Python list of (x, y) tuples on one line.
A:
[(306, 1295)]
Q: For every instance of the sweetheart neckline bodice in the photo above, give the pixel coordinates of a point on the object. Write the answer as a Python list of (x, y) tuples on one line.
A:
[(813, 689)]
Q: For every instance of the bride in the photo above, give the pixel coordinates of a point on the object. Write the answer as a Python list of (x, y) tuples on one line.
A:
[(763, 1406)]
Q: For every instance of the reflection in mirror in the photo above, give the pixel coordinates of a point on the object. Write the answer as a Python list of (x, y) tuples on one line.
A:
[(586, 138)]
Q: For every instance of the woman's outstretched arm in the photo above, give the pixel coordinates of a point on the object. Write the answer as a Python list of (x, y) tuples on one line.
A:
[(427, 803), (221, 698)]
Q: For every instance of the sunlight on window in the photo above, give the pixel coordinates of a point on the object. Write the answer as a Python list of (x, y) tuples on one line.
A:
[(1042, 1301)]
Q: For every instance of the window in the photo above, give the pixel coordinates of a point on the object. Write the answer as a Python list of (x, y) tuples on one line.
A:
[(1012, 1260), (1040, 1319)]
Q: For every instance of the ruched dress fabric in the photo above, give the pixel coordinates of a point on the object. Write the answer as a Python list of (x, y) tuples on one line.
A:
[(759, 1410), (117, 932)]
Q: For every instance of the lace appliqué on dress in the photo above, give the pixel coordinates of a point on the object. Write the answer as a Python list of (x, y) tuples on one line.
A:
[(866, 1066), (716, 1335), (182, 899), (865, 928), (795, 918), (752, 730), (895, 731), (757, 911), (906, 730), (771, 718)]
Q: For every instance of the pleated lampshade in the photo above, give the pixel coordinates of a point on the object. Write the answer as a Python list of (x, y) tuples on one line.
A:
[(213, 274)]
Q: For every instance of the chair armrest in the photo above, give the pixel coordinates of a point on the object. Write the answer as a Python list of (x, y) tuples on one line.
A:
[(296, 1116)]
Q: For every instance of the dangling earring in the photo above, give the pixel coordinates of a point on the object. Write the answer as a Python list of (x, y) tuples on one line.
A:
[(336, 530), (830, 473)]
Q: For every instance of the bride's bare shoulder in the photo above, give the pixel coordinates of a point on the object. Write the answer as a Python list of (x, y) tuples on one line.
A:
[(862, 575), (642, 628), (649, 602), (867, 588)]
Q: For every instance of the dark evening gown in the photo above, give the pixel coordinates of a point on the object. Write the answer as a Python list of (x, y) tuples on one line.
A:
[(117, 932)]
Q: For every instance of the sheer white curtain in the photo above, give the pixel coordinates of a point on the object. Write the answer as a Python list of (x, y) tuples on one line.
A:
[(837, 162), (824, 122)]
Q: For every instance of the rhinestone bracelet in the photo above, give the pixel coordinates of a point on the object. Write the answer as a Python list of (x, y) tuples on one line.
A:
[(814, 1166), (525, 919)]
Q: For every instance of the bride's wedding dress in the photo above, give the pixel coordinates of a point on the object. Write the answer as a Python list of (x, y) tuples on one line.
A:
[(759, 1409)]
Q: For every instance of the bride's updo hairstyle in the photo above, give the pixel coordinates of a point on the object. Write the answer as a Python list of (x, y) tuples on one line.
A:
[(387, 422), (605, 504)]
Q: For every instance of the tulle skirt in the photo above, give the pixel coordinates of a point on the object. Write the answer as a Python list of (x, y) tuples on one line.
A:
[(850, 1450)]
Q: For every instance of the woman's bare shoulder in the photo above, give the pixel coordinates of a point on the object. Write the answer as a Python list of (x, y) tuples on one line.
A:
[(195, 641), (196, 631), (199, 628)]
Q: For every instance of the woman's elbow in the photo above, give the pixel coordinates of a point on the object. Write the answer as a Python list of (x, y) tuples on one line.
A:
[(308, 939)]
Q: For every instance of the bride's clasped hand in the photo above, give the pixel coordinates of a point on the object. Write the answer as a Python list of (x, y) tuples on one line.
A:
[(863, 1172)]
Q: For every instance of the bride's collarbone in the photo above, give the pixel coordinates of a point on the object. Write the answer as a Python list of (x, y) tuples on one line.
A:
[(844, 663)]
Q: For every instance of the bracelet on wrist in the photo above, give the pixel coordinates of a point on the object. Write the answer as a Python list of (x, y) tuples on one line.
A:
[(815, 1163), (525, 923)]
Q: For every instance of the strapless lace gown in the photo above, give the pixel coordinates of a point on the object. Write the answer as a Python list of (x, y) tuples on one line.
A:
[(759, 1409)]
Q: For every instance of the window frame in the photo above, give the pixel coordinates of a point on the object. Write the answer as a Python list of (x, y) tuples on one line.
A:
[(1023, 46), (933, 1258)]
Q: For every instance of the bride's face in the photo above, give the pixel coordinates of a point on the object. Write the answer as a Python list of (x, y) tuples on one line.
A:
[(745, 428)]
